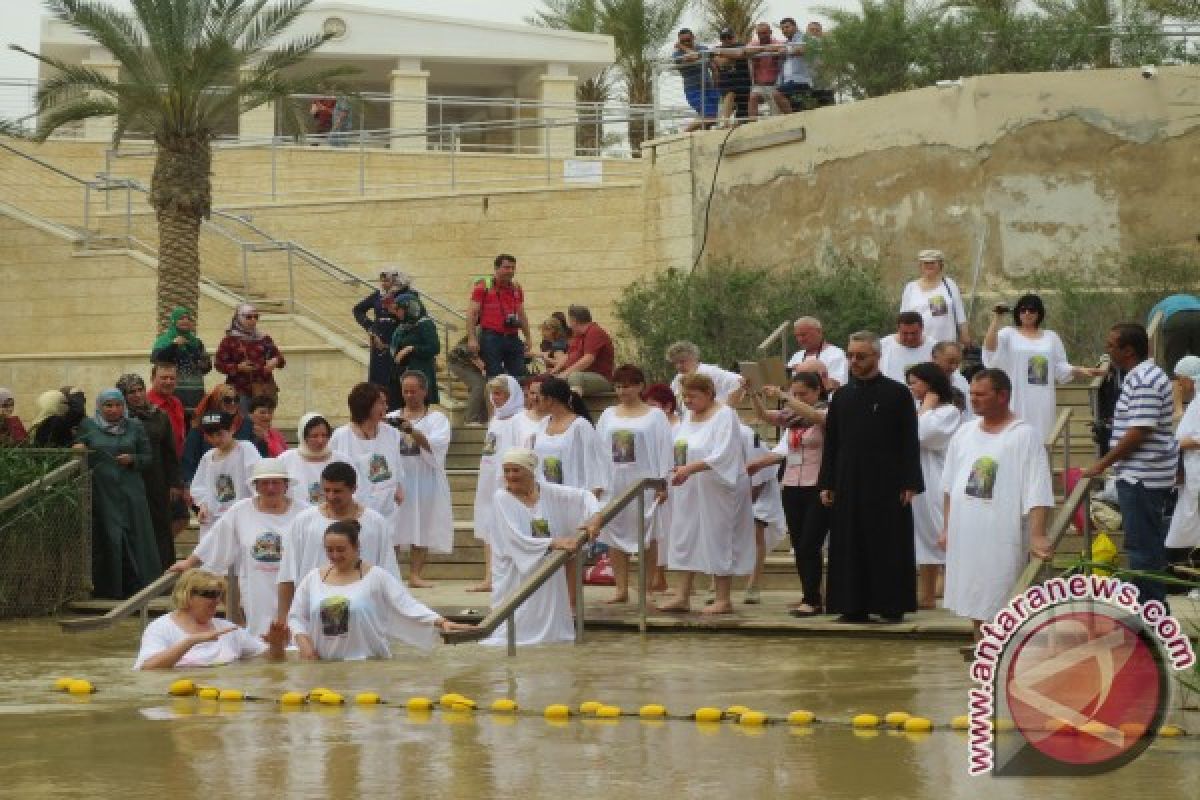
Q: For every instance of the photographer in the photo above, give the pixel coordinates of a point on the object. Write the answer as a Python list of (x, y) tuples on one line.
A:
[(498, 308)]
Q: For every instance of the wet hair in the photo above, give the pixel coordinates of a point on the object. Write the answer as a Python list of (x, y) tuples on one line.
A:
[(362, 399), (194, 580), (340, 472), (263, 401), (934, 378), (909, 318), (500, 259), (697, 382), (345, 527), (314, 422), (998, 378), (1029, 301), (661, 394), (1131, 334), (560, 391), (813, 381), (628, 375)]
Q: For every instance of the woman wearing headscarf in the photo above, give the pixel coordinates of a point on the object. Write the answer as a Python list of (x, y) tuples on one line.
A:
[(11, 430), (248, 358), (415, 344), (60, 411), (124, 555), (308, 458), (376, 314), (508, 401), (179, 345), (160, 475), (1184, 533), (51, 404)]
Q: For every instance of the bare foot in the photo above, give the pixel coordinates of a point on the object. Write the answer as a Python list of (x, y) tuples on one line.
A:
[(617, 598), (718, 608), (417, 582), (678, 606), (480, 587)]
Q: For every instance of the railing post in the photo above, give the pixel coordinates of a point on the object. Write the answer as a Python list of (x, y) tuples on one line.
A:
[(641, 511), (87, 214), (128, 214), (579, 595), (274, 168), (1086, 504), (453, 157), (362, 165), (1066, 453), (291, 281), (245, 270), (511, 632)]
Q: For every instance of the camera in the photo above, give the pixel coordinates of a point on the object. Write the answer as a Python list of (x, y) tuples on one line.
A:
[(512, 321), (1149, 71), (1002, 308)]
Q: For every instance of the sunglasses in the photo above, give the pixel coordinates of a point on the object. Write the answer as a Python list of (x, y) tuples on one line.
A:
[(208, 594)]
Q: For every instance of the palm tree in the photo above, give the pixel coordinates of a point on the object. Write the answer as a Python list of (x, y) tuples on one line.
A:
[(739, 16), (185, 67)]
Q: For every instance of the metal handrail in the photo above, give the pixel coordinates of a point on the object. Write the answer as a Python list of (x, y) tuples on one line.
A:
[(56, 475), (1062, 430), (1153, 331), (506, 610), (1058, 528), (777, 334), (138, 604)]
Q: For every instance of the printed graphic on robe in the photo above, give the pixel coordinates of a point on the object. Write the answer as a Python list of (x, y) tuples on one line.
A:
[(981, 482), (681, 450), (552, 469), (1038, 371), (489, 444), (624, 447), (539, 528), (335, 616), (408, 445), (225, 491), (315, 495), (268, 548), (938, 306), (378, 470)]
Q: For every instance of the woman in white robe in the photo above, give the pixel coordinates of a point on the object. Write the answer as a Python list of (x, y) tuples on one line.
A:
[(350, 610), (938, 420), (527, 423), (424, 522), (766, 512), (638, 438), (305, 461), (570, 452), (710, 490), (507, 401), (250, 540), (685, 358), (1185, 523), (658, 516), (373, 448), (532, 518)]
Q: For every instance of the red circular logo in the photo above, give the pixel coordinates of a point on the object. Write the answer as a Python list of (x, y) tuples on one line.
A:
[(1085, 687)]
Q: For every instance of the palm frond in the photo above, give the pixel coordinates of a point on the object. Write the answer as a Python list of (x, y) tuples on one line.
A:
[(78, 110)]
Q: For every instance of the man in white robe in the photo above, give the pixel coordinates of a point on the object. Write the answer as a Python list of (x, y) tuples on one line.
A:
[(907, 346), (532, 518), (997, 496)]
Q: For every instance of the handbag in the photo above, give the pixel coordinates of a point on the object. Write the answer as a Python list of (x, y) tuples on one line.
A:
[(267, 388)]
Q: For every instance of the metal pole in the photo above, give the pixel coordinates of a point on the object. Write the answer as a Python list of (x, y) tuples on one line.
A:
[(546, 148), (579, 595), (87, 213), (453, 157), (362, 166), (641, 510), (1066, 452), (274, 169), (512, 633), (107, 174), (1087, 526), (128, 213), (291, 281)]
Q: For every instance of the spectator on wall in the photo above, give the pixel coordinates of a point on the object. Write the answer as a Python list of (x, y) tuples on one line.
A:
[(588, 367)]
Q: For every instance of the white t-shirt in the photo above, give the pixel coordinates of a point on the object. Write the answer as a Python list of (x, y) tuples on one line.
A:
[(942, 310), (223, 479), (378, 463), (832, 356), (960, 382), (638, 447), (304, 485), (1035, 367), (894, 357), (994, 480), (356, 621), (574, 457), (306, 544), (725, 382), (164, 633), (251, 543), (425, 518)]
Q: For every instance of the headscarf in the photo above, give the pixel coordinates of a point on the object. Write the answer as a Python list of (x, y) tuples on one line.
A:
[(51, 403), (413, 308), (516, 399), (5, 395), (522, 457), (168, 336), (301, 445), (237, 326), (113, 428), (211, 402), (127, 383)]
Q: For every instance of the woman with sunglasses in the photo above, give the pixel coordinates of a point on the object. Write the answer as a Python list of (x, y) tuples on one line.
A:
[(248, 357), (193, 636), (221, 398), (1034, 360)]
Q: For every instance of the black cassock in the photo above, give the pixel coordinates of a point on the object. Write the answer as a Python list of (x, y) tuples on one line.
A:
[(871, 455)]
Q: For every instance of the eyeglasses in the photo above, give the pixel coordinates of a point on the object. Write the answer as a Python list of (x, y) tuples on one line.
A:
[(208, 594)]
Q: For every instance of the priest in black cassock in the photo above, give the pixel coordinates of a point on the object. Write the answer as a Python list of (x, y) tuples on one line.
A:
[(870, 470)]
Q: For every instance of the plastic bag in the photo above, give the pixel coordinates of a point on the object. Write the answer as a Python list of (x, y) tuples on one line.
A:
[(600, 573), (1103, 552)]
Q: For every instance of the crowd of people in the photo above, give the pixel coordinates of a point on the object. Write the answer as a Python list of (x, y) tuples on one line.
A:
[(912, 479), (728, 82)]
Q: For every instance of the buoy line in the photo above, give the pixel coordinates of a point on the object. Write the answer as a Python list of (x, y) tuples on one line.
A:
[(594, 710)]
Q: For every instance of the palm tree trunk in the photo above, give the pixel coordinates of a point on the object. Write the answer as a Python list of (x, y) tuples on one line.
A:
[(181, 193)]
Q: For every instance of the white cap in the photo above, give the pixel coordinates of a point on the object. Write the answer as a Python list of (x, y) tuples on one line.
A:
[(521, 457), (269, 468), (1188, 367)]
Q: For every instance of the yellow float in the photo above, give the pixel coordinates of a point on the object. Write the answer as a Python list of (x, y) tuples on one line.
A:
[(557, 712), (801, 717), (79, 686), (231, 695), (182, 688), (707, 714), (292, 699), (589, 707), (1171, 731), (62, 684), (504, 705), (917, 725), (865, 721), (960, 723), (896, 719), (608, 712), (419, 704), (752, 719), (652, 711), (208, 693), (332, 699), (367, 699)]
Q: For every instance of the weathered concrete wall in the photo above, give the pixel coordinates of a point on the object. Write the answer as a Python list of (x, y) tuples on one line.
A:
[(1060, 169)]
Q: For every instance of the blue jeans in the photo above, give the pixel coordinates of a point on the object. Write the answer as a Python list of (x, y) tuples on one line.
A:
[(502, 354), (1143, 517)]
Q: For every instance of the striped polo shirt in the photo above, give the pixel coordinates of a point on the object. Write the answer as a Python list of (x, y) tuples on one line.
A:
[(1145, 402)]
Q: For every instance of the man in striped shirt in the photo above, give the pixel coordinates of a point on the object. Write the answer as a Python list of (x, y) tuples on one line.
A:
[(1143, 451)]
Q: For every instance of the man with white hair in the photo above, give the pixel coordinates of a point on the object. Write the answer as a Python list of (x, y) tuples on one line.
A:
[(531, 518), (810, 339)]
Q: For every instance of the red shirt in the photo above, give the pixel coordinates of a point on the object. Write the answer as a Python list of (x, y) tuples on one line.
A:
[(495, 303), (594, 341), (173, 408)]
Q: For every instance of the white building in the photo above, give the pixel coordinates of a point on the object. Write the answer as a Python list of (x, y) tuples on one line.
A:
[(418, 70)]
